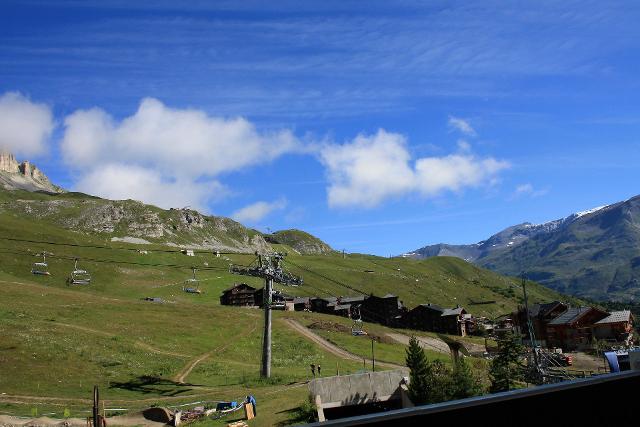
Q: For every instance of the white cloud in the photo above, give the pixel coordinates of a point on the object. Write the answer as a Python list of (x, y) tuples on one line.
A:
[(528, 190), (25, 126), (165, 148), (120, 181), (368, 170), (371, 169), (462, 126), (259, 210)]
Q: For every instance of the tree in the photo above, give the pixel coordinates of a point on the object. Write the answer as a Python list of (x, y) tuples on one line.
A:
[(464, 381), (440, 382), (418, 373), (506, 368)]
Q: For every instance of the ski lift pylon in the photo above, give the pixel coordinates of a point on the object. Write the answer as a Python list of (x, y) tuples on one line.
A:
[(41, 268), (79, 276)]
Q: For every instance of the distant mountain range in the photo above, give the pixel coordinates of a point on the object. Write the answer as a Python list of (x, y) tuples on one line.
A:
[(591, 254)]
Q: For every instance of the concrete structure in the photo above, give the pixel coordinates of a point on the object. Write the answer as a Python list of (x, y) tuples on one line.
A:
[(604, 400), (336, 397)]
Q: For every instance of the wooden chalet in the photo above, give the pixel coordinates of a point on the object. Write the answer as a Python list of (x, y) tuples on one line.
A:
[(433, 318), (241, 294), (339, 306), (616, 327), (573, 329), (541, 315), (386, 310)]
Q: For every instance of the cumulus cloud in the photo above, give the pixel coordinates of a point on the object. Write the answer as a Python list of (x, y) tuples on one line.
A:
[(462, 126), (368, 170), (371, 169), (165, 148), (259, 210), (25, 126), (118, 181)]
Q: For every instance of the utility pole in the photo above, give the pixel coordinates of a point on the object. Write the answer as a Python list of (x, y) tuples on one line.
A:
[(373, 356), (268, 267), (266, 342), (532, 336), (96, 407)]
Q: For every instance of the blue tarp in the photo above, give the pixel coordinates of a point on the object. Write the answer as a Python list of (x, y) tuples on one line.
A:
[(612, 358)]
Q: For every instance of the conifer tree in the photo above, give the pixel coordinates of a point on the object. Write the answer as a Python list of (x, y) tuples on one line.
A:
[(418, 373), (464, 382), (506, 368)]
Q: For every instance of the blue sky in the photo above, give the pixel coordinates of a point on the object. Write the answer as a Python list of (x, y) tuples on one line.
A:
[(378, 126)]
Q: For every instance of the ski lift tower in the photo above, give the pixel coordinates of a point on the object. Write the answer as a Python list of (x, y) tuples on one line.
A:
[(269, 267)]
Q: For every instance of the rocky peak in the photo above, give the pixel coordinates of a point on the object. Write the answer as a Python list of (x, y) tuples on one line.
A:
[(23, 176), (8, 163)]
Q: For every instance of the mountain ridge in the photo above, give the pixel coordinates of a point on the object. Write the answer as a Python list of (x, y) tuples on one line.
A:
[(593, 253), (24, 175)]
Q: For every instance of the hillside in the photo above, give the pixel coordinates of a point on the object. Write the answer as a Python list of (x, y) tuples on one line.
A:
[(593, 254), (302, 242), (59, 340)]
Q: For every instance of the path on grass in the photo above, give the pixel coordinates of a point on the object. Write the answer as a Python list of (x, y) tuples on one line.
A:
[(332, 348), (186, 370), (428, 343)]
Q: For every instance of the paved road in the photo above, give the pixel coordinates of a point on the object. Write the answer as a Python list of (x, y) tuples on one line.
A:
[(332, 348)]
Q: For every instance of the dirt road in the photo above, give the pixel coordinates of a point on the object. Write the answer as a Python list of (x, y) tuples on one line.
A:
[(433, 344), (332, 348), (186, 370)]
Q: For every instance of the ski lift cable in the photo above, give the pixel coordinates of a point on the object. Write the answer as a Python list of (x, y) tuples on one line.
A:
[(78, 245), (108, 261)]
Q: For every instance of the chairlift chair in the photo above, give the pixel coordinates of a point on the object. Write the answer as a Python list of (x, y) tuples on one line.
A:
[(41, 268), (356, 327), (79, 276), (192, 285)]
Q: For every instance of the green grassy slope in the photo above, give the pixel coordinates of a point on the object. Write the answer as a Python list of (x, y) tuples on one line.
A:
[(57, 341)]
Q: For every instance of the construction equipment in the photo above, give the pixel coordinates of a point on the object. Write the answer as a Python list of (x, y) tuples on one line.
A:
[(269, 267), (192, 285), (41, 268), (79, 276)]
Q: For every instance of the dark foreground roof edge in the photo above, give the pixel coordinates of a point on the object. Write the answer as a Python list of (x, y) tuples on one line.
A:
[(399, 414)]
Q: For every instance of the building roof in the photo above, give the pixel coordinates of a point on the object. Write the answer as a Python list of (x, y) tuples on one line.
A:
[(616, 317), (541, 309), (237, 285), (432, 307), (452, 311), (570, 315)]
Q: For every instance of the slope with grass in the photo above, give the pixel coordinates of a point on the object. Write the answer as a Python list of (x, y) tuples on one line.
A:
[(57, 341)]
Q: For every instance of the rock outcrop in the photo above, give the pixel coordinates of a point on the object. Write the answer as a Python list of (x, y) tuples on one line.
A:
[(23, 176)]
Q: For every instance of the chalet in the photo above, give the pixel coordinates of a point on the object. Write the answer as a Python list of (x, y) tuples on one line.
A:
[(386, 310), (616, 327), (540, 315), (433, 318), (241, 294), (339, 306), (573, 329)]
